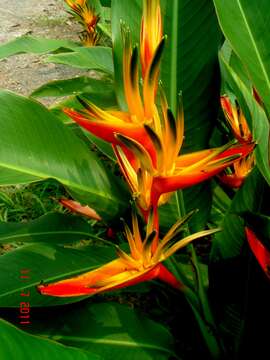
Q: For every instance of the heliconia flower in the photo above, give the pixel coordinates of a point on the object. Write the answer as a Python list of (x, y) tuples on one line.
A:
[(151, 32), (76, 207), (261, 253), (236, 120), (89, 38), (88, 18), (106, 123), (141, 264), (141, 107), (235, 175), (150, 181)]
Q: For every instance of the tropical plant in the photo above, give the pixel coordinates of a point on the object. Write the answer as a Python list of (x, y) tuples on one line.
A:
[(120, 146)]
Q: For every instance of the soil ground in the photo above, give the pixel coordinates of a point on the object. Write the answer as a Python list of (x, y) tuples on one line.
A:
[(45, 18)]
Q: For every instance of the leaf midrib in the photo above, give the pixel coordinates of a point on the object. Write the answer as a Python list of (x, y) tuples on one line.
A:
[(66, 182), (123, 343), (38, 233)]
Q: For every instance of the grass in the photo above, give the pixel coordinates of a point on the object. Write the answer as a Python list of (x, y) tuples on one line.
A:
[(21, 203)]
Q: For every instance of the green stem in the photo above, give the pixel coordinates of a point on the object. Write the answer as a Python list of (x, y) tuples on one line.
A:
[(199, 300), (209, 334)]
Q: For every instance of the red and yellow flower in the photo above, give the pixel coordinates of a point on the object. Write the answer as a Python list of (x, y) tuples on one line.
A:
[(236, 174), (259, 250), (141, 264), (141, 107), (151, 32), (88, 18), (236, 120), (151, 182)]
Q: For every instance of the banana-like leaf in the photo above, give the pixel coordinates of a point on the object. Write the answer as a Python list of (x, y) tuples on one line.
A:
[(190, 65), (94, 58), (17, 344), (74, 86), (33, 45), (237, 80), (52, 228), (110, 330), (251, 40), (35, 144), (47, 263)]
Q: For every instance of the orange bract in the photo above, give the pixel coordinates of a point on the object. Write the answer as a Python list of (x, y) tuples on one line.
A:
[(143, 263), (88, 18), (236, 120), (235, 176)]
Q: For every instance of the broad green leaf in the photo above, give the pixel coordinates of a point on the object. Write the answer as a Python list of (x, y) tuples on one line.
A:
[(17, 344), (251, 40), (102, 146), (94, 58), (35, 143), (33, 45), (190, 65), (52, 228), (47, 263), (74, 86), (11, 177), (220, 204), (254, 113), (192, 27), (229, 242), (110, 330)]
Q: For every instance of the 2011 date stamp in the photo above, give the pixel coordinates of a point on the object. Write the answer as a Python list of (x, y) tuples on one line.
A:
[(24, 308)]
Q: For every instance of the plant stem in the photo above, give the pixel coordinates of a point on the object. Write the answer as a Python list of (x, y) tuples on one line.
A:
[(198, 300)]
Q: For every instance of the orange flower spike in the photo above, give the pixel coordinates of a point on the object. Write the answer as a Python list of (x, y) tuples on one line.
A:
[(88, 19), (131, 79), (139, 179), (76, 207), (236, 120), (75, 4), (141, 264), (105, 124), (239, 171), (211, 163), (150, 83), (172, 172), (151, 32)]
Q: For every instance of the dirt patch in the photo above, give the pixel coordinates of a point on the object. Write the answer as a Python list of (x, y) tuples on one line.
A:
[(45, 18)]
